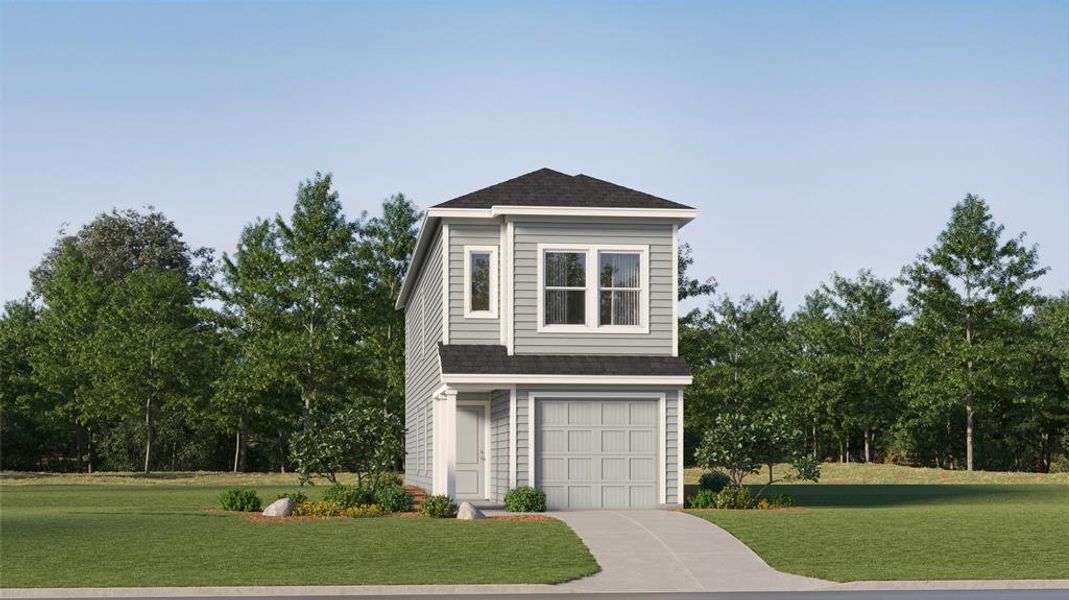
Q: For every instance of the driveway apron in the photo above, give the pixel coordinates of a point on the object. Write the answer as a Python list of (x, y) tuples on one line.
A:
[(660, 550)]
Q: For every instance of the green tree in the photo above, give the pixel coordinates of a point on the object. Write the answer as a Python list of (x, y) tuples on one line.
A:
[(147, 351), (965, 295), (865, 323), (384, 253)]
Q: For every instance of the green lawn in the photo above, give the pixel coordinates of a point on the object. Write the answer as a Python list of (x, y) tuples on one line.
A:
[(913, 531), (160, 535)]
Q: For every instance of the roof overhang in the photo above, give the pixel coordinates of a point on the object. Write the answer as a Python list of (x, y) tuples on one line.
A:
[(520, 379), (684, 215)]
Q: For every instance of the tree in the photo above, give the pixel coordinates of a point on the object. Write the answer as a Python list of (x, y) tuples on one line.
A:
[(964, 294), (865, 321), (357, 438), (384, 253), (741, 444), (147, 349)]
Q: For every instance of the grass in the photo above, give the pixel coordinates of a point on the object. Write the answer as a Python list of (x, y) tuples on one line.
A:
[(153, 533), (911, 531), (857, 473)]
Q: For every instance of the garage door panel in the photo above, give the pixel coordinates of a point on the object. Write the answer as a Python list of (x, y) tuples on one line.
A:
[(615, 496), (579, 440), (597, 453), (579, 413), (614, 440)]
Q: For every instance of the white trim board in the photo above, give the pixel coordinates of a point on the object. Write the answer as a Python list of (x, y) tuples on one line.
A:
[(505, 380), (445, 283), (682, 214)]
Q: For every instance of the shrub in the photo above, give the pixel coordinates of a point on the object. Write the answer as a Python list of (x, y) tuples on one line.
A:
[(394, 498), (349, 496), (387, 479), (732, 498), (525, 499), (713, 481), (438, 507), (240, 499), (297, 497), (762, 504), (702, 499), (781, 501), (365, 511), (317, 509)]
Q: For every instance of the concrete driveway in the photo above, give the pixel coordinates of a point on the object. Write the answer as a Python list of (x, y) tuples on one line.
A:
[(660, 550)]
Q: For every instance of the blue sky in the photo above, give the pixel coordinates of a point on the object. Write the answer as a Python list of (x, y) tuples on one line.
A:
[(813, 137)]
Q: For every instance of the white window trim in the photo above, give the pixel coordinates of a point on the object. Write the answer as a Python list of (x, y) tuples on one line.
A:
[(592, 286), (480, 314)]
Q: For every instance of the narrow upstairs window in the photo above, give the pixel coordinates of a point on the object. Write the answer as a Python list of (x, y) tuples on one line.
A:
[(480, 282)]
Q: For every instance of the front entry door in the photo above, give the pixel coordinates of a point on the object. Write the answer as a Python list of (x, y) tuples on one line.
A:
[(471, 453)]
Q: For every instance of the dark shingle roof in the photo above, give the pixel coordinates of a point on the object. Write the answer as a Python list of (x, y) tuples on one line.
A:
[(494, 360), (546, 187)]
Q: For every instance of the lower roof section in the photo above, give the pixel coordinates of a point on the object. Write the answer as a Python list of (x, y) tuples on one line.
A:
[(473, 363)]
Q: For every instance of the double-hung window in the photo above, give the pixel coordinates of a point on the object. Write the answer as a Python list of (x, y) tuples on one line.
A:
[(480, 282), (595, 288)]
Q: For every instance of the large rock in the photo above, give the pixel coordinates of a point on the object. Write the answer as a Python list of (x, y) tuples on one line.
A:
[(468, 512), (283, 507)]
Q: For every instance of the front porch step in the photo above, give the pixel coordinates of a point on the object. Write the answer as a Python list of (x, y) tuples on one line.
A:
[(418, 494)]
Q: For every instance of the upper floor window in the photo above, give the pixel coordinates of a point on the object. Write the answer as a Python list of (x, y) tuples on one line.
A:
[(480, 282), (565, 289), (593, 288)]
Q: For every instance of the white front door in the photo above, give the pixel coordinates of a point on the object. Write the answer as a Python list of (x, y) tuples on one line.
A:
[(471, 453)]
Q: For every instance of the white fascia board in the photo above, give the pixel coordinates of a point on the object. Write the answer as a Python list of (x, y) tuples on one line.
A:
[(452, 379), (682, 214)]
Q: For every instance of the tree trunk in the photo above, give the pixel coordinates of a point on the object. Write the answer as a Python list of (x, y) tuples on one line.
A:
[(241, 444), (149, 434), (848, 448), (868, 454), (281, 455), (89, 453), (816, 449), (969, 410)]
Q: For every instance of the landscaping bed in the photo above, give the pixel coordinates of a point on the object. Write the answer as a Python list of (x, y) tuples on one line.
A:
[(126, 535)]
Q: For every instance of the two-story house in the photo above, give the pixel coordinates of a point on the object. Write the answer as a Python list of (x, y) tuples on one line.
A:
[(542, 345)]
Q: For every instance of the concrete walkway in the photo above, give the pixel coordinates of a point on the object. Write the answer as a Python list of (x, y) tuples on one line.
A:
[(660, 550)]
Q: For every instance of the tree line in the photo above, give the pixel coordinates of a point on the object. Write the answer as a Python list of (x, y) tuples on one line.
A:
[(134, 351), (970, 372)]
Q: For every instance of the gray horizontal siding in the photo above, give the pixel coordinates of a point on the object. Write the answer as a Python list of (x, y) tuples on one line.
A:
[(423, 331), (656, 236), (471, 331), (499, 446)]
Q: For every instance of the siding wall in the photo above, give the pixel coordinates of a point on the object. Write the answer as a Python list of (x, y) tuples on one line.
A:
[(471, 331), (671, 440), (658, 236), (423, 331), (499, 445)]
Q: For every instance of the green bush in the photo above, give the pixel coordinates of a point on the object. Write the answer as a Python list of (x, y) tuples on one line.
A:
[(394, 498), (525, 499), (297, 497), (781, 501), (365, 511), (702, 499), (713, 481), (349, 496), (240, 499), (391, 479), (731, 498), (438, 507)]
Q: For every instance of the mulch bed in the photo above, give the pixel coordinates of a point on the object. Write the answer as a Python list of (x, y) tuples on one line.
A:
[(255, 517)]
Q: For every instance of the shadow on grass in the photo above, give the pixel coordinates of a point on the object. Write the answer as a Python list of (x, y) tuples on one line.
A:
[(903, 495)]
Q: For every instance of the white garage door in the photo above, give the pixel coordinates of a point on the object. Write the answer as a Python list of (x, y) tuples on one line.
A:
[(596, 453)]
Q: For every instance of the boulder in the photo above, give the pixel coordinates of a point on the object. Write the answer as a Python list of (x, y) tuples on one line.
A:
[(283, 507), (468, 512)]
